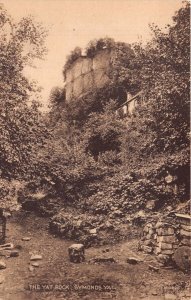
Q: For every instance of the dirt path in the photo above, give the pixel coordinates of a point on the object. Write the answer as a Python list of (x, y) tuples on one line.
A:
[(57, 278)]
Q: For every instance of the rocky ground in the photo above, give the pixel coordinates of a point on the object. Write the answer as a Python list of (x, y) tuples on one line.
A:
[(117, 272)]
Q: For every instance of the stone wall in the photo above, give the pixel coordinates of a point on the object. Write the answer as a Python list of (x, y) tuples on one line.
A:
[(88, 73), (168, 238)]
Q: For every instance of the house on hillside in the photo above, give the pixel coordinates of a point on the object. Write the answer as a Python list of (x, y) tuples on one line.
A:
[(127, 108)]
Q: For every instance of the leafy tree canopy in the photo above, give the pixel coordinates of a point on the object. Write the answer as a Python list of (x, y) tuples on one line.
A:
[(162, 123), (20, 126)]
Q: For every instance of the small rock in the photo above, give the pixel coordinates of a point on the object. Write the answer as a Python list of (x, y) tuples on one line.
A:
[(31, 268), (35, 264), (7, 246), (154, 293), (128, 219), (2, 265), (79, 223), (36, 257), (147, 249), (153, 268), (104, 259), (170, 297), (93, 231), (106, 225), (150, 205), (14, 253), (164, 260), (117, 213), (133, 260), (2, 279), (26, 239)]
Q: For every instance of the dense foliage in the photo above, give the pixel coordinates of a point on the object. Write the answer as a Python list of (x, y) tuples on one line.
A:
[(22, 130), (162, 123), (20, 127)]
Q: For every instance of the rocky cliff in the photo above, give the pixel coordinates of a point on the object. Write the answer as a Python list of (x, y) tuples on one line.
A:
[(87, 73)]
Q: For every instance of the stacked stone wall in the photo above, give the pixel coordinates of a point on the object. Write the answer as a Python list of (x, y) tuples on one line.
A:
[(165, 236)]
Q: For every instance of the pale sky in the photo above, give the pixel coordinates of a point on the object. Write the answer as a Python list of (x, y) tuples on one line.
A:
[(74, 23)]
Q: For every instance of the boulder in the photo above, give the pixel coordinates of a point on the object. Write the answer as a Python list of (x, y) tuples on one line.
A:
[(182, 258), (76, 253)]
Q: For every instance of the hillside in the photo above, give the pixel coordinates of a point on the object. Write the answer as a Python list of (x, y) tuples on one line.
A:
[(107, 167)]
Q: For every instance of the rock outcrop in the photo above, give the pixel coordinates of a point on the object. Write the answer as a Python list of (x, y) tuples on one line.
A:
[(87, 73)]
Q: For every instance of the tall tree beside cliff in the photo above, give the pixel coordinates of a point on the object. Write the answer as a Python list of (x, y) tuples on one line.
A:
[(20, 127), (162, 123)]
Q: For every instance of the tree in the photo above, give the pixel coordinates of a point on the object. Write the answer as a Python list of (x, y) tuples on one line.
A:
[(103, 131), (165, 81), (21, 129), (56, 103), (163, 120), (157, 135)]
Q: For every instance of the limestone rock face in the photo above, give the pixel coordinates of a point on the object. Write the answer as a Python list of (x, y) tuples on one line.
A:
[(87, 73), (87, 65), (78, 86), (100, 60)]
